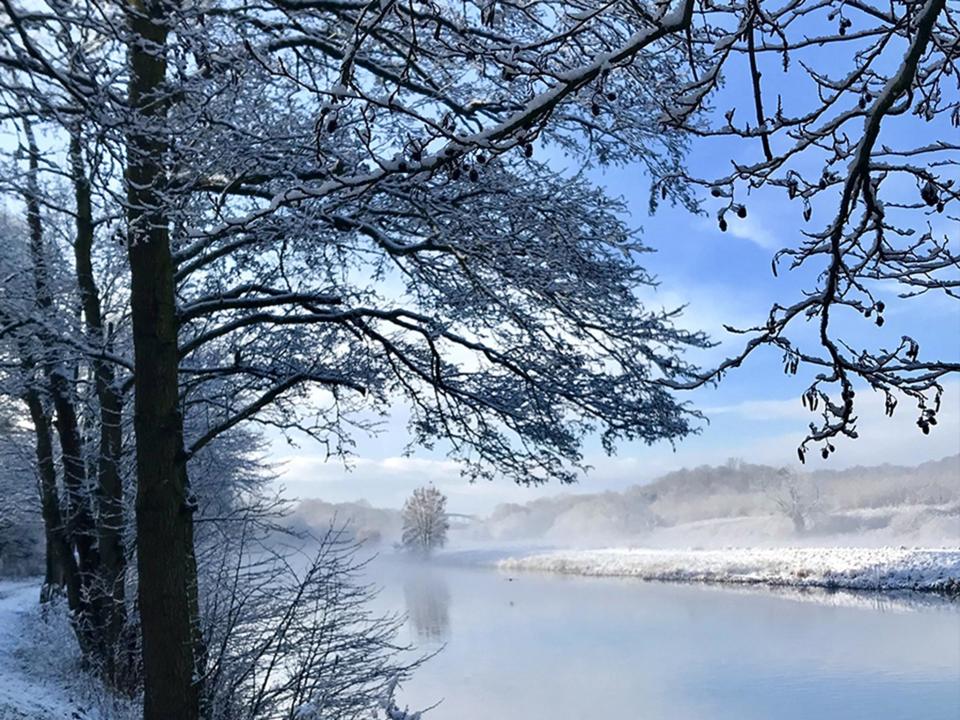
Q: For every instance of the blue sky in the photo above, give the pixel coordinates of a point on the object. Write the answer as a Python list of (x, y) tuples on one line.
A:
[(755, 413)]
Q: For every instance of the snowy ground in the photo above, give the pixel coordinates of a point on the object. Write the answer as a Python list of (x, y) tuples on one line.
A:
[(40, 673), (850, 568)]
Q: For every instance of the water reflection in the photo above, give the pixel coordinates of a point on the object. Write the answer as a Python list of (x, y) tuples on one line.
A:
[(538, 647), (427, 598), (887, 601)]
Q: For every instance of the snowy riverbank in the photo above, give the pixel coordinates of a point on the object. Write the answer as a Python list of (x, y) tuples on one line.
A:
[(925, 570)]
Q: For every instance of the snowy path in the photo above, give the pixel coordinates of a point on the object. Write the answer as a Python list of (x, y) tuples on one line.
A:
[(40, 678), (22, 693), (850, 568)]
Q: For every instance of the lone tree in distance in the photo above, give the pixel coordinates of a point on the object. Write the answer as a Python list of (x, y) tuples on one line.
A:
[(425, 521)]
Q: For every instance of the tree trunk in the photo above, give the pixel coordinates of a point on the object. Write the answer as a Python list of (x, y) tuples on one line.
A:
[(112, 571), (61, 571), (79, 521), (165, 561), (79, 518)]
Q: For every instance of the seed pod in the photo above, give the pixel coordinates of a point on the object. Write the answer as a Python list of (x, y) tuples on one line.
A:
[(528, 150), (741, 211), (879, 320), (723, 225), (595, 109), (929, 193), (824, 453), (474, 175), (939, 207), (881, 306), (332, 125)]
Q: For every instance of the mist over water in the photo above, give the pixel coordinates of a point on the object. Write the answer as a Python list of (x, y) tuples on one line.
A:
[(543, 647), (733, 505), (535, 646)]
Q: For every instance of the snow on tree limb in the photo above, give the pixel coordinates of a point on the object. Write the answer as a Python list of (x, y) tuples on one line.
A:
[(872, 236)]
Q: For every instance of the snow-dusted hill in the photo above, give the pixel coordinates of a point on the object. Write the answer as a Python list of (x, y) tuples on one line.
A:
[(925, 570)]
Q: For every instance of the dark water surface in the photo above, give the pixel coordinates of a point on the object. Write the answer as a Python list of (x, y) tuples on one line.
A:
[(540, 647)]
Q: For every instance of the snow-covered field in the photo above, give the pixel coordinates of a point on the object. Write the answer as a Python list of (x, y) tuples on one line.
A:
[(925, 570)]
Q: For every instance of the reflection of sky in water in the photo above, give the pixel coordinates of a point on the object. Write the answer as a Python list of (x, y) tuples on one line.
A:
[(537, 647)]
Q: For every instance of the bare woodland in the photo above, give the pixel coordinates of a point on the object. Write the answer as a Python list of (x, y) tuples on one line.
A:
[(225, 217)]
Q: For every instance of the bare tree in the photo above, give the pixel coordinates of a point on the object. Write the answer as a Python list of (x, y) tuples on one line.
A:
[(796, 496), (289, 631), (425, 522), (21, 546), (347, 247), (391, 232), (81, 504), (850, 110)]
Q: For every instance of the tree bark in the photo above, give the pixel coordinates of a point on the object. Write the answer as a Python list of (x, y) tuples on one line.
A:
[(61, 570), (112, 570), (165, 561), (79, 521)]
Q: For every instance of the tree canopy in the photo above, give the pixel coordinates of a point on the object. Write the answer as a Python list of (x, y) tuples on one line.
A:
[(299, 212)]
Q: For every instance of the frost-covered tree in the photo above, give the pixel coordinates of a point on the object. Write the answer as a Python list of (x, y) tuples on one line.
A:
[(307, 270), (329, 207), (76, 425), (797, 497), (21, 546), (425, 521)]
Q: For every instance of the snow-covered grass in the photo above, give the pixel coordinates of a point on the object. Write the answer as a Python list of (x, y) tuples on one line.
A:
[(885, 569), (41, 674)]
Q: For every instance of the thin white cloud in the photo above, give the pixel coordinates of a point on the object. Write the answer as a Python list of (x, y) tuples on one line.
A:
[(751, 228), (791, 409), (882, 439), (869, 407)]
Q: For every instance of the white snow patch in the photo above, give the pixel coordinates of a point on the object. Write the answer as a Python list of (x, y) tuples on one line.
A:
[(929, 570), (41, 676)]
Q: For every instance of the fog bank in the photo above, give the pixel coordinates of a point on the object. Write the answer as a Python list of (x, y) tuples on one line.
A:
[(735, 504)]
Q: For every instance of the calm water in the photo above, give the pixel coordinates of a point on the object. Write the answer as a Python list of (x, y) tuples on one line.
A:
[(538, 647)]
